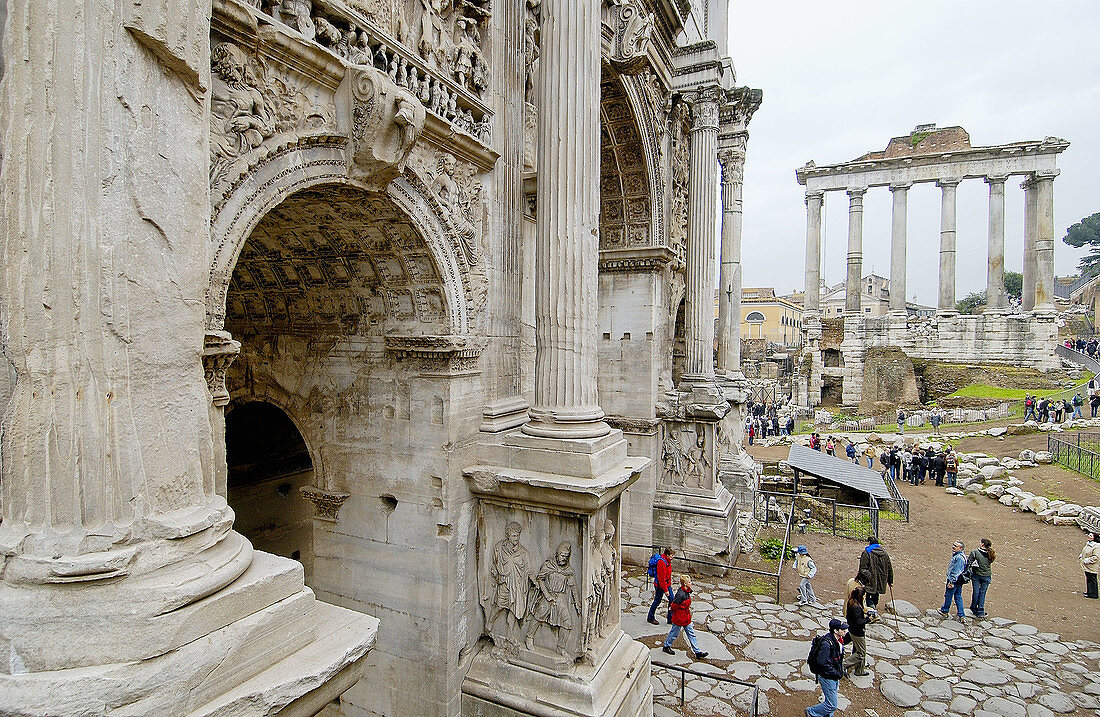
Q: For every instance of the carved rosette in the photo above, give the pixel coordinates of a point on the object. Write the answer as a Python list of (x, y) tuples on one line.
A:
[(325, 502), (218, 353)]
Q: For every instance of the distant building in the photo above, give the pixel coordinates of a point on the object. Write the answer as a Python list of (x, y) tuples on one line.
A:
[(874, 300), (764, 315)]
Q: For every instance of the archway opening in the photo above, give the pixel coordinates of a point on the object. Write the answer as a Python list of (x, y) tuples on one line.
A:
[(268, 462)]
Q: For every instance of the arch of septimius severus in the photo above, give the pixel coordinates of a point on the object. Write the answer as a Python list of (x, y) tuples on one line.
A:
[(945, 157), (351, 340)]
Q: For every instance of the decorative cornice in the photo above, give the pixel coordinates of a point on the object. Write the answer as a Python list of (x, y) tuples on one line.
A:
[(447, 353), (325, 502), (640, 260), (633, 426)]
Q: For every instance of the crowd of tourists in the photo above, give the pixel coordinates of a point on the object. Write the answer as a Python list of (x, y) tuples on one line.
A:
[(1085, 346), (1059, 410), (764, 421)]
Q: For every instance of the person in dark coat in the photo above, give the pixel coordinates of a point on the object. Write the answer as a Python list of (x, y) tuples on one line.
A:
[(939, 468), (829, 668), (880, 571), (857, 618)]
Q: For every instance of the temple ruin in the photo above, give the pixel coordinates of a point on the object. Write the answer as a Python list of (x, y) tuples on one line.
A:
[(998, 335)]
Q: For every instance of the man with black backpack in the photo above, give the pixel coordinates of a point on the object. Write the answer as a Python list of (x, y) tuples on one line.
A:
[(660, 569), (826, 661)]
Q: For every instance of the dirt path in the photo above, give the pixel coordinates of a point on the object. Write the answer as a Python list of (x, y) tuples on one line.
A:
[(1036, 577)]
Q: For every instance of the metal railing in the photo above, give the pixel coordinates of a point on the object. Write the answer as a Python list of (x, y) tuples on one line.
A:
[(1065, 291), (754, 706), (1071, 454), (897, 501), (817, 514), (737, 568)]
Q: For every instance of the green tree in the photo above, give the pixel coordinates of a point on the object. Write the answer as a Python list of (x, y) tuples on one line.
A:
[(969, 304), (1014, 284), (1086, 233)]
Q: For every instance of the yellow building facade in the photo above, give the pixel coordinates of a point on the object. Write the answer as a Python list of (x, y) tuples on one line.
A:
[(764, 315)]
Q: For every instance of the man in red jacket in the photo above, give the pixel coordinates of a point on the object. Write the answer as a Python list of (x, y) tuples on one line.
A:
[(662, 584), (681, 620)]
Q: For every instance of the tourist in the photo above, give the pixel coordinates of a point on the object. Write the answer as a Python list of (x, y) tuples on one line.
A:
[(936, 419), (869, 454), (790, 425), (775, 425), (901, 421), (981, 574), (1044, 410), (1090, 563), (920, 465), (954, 590), (830, 447), (939, 467), (1029, 407), (806, 568), (1077, 403), (857, 619), (1094, 403), (895, 463), (951, 467), (827, 664), (662, 583), (680, 616), (752, 431), (1090, 347), (907, 465), (1067, 409), (859, 581), (850, 451), (875, 561)]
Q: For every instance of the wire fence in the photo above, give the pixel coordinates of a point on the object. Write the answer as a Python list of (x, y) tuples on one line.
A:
[(896, 503), (812, 514), (753, 705), (1080, 453)]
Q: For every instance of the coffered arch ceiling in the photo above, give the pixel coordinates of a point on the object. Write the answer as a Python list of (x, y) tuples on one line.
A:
[(335, 259), (625, 207)]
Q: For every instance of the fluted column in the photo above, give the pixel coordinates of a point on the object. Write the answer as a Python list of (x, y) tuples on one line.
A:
[(946, 304), (566, 254), (899, 220), (811, 303), (1044, 240), (702, 206), (1028, 299), (729, 278), (855, 252), (995, 297)]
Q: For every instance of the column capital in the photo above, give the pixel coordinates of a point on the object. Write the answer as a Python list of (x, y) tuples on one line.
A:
[(900, 186), (1047, 174), (814, 194), (996, 179), (854, 192), (948, 182), (704, 107), (732, 161)]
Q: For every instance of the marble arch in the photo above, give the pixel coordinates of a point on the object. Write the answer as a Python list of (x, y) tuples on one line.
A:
[(310, 161)]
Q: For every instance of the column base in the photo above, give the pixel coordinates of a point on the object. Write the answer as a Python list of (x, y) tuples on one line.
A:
[(699, 527), (287, 654), (618, 685)]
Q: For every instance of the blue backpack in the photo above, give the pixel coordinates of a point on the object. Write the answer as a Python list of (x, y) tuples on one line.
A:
[(653, 560)]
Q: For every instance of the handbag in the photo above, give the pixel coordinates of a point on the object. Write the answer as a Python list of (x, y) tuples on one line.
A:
[(967, 574)]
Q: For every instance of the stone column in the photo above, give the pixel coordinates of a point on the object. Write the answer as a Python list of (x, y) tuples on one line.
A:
[(811, 303), (567, 226), (123, 587), (729, 280), (702, 206), (1044, 241), (995, 297), (1028, 298), (899, 217), (946, 304), (855, 252)]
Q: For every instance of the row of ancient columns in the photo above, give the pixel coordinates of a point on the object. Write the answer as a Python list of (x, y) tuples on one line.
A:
[(1038, 289)]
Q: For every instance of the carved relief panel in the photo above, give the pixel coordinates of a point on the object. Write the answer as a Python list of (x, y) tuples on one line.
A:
[(548, 582), (688, 456)]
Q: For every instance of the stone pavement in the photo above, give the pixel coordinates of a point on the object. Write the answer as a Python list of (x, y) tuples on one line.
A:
[(925, 666)]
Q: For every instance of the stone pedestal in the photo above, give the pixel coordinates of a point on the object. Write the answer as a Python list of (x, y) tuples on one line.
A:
[(693, 511), (548, 577)]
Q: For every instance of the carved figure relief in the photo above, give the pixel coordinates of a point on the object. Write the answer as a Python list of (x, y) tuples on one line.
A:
[(248, 106), (680, 162), (510, 574), (531, 39), (459, 195), (298, 14), (604, 579), (685, 455), (554, 600)]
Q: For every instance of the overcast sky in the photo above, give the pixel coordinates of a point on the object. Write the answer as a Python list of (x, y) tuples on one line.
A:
[(841, 78)]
